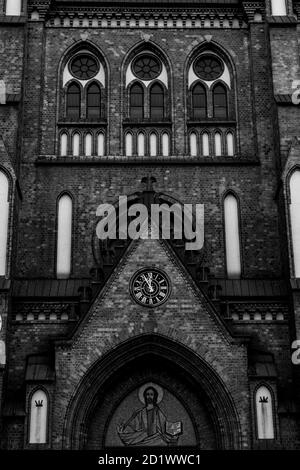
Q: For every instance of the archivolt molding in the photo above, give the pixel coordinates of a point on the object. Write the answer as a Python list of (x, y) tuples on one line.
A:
[(144, 348)]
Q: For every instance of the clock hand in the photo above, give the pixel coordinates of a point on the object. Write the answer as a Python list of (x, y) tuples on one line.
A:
[(148, 282)]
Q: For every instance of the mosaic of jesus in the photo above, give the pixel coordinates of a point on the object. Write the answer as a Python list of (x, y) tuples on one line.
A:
[(149, 426)]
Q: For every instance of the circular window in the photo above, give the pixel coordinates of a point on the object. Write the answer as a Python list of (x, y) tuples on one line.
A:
[(146, 67), (208, 67), (84, 67)]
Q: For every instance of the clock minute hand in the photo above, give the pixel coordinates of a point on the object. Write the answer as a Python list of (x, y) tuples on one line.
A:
[(148, 282)]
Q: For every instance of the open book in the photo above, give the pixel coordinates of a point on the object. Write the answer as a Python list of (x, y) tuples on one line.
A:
[(174, 429)]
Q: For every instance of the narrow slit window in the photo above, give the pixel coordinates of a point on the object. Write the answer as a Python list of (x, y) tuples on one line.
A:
[(264, 413), (153, 144), (157, 102), (38, 418), (4, 217), (64, 144), (205, 144), (218, 144), (88, 145), (230, 144), (76, 144), (220, 102), (193, 144), (64, 237), (141, 144), (136, 102), (295, 219), (232, 237), (128, 144), (199, 102), (165, 144), (93, 102), (73, 101), (100, 145)]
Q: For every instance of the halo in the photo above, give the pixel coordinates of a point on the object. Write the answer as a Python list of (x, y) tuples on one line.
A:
[(159, 390)]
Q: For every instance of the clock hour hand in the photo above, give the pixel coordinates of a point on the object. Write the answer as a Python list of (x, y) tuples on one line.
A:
[(148, 280)]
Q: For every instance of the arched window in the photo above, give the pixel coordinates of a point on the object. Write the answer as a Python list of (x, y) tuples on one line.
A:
[(13, 7), (141, 144), (218, 144), (165, 144), (230, 144), (38, 422), (93, 102), (264, 413), (153, 144), (278, 7), (128, 144), (205, 144), (136, 101), (73, 101), (157, 102), (199, 102), (232, 237), (100, 145), (64, 237), (4, 216), (76, 144), (295, 219), (193, 144), (64, 144), (220, 101), (88, 145)]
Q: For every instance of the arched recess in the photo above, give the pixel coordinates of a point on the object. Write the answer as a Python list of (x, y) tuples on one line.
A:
[(101, 80), (221, 101), (148, 350), (163, 78)]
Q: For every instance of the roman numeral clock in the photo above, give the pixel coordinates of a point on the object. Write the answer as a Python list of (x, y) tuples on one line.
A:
[(150, 287)]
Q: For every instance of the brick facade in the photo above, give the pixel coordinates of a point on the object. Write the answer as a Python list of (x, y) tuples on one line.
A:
[(83, 340)]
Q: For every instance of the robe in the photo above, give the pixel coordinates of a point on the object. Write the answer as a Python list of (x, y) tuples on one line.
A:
[(146, 428)]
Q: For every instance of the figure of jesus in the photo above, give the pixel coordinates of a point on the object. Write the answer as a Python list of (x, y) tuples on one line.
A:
[(147, 426)]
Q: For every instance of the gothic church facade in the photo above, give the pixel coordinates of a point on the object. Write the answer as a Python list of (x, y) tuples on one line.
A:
[(121, 342)]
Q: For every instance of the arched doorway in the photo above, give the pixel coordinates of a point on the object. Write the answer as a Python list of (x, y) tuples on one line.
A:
[(192, 405)]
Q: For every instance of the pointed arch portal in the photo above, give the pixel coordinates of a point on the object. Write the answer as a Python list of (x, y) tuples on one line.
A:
[(192, 401)]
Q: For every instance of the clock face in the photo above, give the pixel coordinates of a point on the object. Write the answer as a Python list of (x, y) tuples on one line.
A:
[(150, 287)]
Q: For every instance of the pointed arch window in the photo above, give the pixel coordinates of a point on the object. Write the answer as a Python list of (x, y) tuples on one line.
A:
[(93, 102), (141, 144), (230, 144), (100, 145), (193, 144), (4, 217), (157, 102), (76, 144), (153, 144), (136, 101), (205, 144), (199, 102), (232, 237), (295, 219), (64, 237), (165, 144), (220, 105), (128, 144), (264, 413), (38, 423), (64, 144), (73, 101)]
